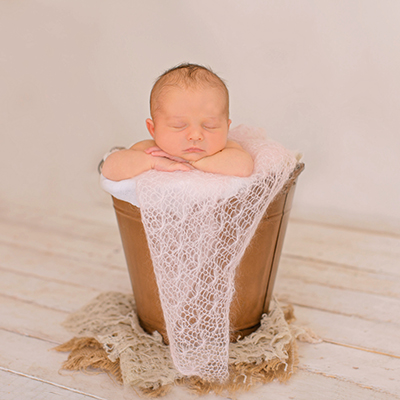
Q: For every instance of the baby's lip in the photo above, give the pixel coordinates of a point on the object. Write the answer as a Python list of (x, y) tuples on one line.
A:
[(193, 150)]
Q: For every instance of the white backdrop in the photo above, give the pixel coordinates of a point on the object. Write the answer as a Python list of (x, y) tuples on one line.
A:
[(320, 76)]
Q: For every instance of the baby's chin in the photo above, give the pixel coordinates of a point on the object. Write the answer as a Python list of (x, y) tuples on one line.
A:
[(191, 157), (196, 156)]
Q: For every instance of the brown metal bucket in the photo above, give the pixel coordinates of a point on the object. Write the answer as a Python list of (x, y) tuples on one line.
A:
[(255, 275)]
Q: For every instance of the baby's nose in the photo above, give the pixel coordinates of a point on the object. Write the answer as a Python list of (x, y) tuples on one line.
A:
[(195, 135)]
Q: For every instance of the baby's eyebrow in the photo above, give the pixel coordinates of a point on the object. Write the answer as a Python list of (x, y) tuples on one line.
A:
[(175, 117), (212, 119)]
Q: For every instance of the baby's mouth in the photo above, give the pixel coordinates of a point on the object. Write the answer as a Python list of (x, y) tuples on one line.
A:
[(193, 150)]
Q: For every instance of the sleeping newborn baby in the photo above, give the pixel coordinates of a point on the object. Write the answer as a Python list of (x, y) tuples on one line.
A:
[(189, 106)]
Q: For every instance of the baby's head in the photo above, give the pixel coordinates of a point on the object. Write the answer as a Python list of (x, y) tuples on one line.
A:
[(189, 103), (186, 76)]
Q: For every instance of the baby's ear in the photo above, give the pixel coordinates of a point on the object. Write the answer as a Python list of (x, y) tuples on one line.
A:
[(150, 126)]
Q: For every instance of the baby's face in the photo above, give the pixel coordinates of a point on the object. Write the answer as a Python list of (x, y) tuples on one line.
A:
[(190, 123)]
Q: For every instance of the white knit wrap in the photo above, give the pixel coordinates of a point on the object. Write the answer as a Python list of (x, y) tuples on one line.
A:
[(198, 226)]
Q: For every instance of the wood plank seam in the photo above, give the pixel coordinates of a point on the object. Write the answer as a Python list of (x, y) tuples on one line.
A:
[(344, 227), (56, 343), (342, 379), (58, 231), (110, 265), (63, 256), (34, 303), (284, 300), (389, 295), (41, 277), (51, 383), (360, 348), (333, 264)]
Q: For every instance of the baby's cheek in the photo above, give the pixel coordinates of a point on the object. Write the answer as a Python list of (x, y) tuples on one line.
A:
[(218, 146), (164, 146)]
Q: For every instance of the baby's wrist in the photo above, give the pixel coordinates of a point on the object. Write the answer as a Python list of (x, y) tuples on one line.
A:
[(193, 163), (152, 161)]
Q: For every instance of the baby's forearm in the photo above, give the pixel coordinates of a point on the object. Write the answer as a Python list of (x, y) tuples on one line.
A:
[(230, 161), (125, 164)]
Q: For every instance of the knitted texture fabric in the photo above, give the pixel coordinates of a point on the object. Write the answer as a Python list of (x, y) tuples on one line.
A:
[(145, 361), (198, 226)]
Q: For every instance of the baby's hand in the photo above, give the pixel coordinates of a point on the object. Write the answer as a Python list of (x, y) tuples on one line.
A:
[(167, 165), (157, 152), (165, 162)]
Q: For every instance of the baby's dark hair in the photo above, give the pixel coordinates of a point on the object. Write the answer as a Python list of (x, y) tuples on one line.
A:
[(186, 76)]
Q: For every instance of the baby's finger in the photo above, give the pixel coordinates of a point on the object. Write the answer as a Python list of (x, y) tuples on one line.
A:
[(172, 168), (164, 164), (180, 167), (162, 153), (159, 153), (152, 149)]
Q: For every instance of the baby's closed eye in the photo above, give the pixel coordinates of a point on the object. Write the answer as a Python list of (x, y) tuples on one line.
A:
[(179, 126), (210, 127)]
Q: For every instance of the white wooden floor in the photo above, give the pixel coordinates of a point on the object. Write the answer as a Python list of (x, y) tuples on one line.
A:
[(344, 282)]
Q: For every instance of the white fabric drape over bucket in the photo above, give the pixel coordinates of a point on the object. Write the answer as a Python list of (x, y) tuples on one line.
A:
[(198, 226)]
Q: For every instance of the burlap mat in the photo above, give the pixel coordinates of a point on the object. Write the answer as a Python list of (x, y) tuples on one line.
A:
[(109, 338)]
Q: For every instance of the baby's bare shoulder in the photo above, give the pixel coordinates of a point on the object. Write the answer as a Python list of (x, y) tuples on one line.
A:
[(231, 144), (143, 145)]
